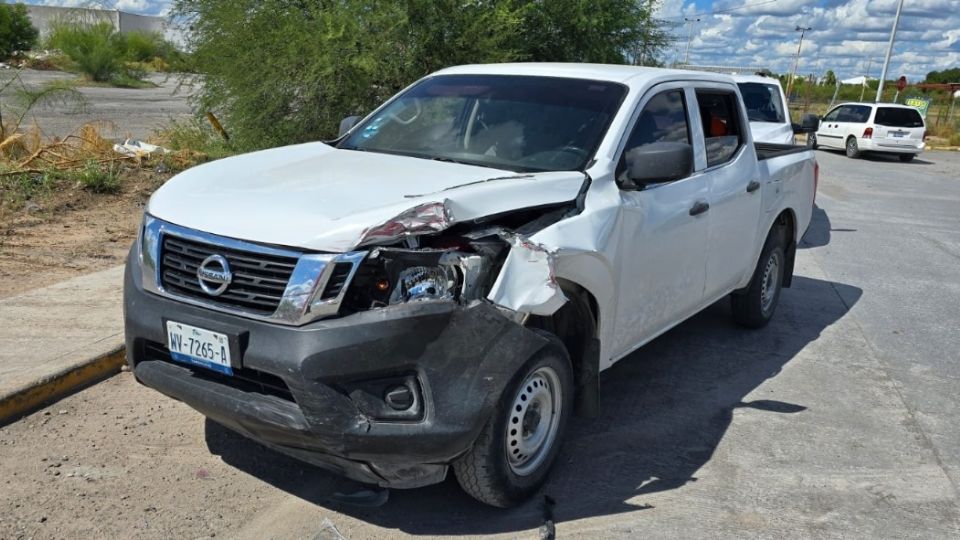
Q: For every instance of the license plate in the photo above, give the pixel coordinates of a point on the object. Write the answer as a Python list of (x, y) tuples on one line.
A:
[(199, 347), (897, 134)]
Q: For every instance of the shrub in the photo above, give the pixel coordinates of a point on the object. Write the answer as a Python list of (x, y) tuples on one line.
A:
[(16, 32), (97, 178), (95, 49), (281, 72)]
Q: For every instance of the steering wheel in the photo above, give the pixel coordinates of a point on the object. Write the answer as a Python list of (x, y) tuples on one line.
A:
[(416, 104)]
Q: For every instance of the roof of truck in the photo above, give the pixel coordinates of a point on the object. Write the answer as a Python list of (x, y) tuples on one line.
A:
[(597, 72), (751, 78)]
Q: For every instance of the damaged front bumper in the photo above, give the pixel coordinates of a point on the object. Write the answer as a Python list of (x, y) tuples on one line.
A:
[(388, 396)]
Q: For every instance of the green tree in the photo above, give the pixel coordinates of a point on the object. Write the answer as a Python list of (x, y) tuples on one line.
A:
[(830, 79), (286, 71), (16, 31), (946, 76)]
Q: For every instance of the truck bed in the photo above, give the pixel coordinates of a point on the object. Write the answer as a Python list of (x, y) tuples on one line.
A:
[(772, 150)]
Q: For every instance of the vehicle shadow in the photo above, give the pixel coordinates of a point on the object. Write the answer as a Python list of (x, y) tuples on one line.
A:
[(664, 410), (818, 232)]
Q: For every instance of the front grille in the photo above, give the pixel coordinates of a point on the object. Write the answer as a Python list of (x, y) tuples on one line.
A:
[(338, 279), (245, 379), (258, 283)]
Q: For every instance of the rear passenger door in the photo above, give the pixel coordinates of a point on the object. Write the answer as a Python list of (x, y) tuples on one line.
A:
[(734, 188)]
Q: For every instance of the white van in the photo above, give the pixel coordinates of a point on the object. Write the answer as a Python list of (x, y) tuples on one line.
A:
[(871, 127)]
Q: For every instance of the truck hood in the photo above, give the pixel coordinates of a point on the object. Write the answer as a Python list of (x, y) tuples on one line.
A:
[(315, 197)]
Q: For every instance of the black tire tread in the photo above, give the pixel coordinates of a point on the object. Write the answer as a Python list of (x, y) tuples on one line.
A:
[(477, 470), (745, 306), (472, 474)]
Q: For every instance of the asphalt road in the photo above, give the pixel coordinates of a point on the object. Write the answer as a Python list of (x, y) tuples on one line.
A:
[(836, 421), (121, 112)]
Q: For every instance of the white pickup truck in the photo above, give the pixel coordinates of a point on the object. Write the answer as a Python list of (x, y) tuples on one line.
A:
[(766, 109), (440, 286)]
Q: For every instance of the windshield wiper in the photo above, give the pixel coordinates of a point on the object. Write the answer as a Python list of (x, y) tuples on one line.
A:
[(457, 161)]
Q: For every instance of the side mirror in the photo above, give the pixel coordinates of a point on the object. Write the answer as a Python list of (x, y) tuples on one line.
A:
[(808, 124), (347, 124), (657, 162)]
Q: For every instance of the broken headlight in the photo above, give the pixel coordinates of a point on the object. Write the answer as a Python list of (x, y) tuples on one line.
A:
[(394, 276), (425, 283)]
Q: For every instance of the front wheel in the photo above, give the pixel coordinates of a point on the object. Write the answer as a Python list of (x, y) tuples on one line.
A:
[(754, 307), (906, 158), (853, 150), (511, 458), (812, 141)]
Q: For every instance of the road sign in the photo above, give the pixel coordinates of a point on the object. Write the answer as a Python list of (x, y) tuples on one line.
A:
[(901, 83)]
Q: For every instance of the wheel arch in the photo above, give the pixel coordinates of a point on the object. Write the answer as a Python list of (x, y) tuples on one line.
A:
[(577, 325)]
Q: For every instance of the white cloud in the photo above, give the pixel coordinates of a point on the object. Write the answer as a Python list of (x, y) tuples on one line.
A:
[(847, 36)]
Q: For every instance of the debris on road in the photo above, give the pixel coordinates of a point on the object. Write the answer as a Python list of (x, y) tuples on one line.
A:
[(138, 149)]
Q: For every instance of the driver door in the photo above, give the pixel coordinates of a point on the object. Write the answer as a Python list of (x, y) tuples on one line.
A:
[(663, 240)]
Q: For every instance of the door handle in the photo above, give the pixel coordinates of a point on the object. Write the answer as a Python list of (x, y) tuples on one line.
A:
[(753, 186), (699, 207)]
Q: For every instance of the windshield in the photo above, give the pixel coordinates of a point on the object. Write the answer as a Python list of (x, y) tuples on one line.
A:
[(897, 117), (516, 123), (763, 102)]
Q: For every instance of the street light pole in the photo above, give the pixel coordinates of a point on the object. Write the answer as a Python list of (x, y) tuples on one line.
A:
[(802, 30), (686, 58), (886, 61)]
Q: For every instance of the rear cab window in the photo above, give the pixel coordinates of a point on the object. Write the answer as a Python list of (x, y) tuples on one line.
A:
[(763, 102), (722, 128), (898, 117)]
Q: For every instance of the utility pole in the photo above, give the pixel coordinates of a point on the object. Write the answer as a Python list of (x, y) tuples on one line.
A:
[(886, 61), (686, 58), (802, 30)]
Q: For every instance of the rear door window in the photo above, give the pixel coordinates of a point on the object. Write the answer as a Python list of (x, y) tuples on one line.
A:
[(897, 117), (722, 131), (858, 114)]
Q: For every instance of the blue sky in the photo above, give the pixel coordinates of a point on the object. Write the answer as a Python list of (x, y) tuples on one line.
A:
[(848, 36)]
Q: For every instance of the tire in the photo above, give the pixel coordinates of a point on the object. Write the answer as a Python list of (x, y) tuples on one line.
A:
[(755, 306), (853, 151), (485, 471), (812, 141), (906, 158)]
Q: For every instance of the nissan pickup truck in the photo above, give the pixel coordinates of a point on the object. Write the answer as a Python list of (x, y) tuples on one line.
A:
[(439, 287)]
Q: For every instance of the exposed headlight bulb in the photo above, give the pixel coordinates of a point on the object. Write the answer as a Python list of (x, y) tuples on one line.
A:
[(425, 283)]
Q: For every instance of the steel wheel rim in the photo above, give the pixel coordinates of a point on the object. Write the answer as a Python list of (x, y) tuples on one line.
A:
[(771, 278), (851, 146), (534, 420)]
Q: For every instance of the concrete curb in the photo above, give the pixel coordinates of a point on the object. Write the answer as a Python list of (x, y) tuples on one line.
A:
[(57, 385)]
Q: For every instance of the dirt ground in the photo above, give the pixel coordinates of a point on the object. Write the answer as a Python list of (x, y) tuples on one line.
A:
[(71, 232)]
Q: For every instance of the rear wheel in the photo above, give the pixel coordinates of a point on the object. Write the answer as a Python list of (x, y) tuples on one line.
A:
[(853, 151), (513, 454), (754, 307), (907, 157), (812, 141)]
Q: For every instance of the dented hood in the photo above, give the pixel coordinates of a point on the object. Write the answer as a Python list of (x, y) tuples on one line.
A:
[(316, 197)]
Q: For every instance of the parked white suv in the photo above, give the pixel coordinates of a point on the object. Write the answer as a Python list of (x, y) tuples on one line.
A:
[(871, 127)]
